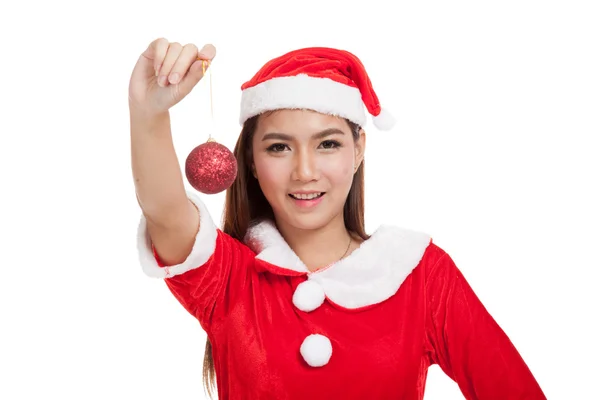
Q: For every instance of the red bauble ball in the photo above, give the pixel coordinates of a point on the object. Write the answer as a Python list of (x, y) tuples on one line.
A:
[(210, 168)]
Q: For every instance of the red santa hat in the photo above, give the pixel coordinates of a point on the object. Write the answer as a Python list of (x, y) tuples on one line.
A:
[(322, 79)]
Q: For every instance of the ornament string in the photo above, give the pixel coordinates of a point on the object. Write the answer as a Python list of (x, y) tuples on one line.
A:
[(212, 117), (210, 167)]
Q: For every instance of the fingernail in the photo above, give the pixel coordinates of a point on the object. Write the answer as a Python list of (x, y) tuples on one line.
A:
[(174, 78), (162, 80), (156, 70)]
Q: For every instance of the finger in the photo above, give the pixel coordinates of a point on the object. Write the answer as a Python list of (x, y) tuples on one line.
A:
[(188, 55), (208, 52), (196, 70), (162, 47), (168, 62), (156, 52), (194, 75)]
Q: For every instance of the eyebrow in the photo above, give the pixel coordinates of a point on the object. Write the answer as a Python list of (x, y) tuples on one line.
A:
[(318, 135)]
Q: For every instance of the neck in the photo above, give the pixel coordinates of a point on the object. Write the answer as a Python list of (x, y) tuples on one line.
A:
[(319, 247)]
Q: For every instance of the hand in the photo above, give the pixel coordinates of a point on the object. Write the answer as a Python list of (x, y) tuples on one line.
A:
[(165, 73)]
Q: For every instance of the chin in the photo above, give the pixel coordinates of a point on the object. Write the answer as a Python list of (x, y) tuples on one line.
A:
[(307, 222), (313, 220)]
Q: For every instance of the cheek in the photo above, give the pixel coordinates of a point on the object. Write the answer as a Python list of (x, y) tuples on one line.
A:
[(341, 172), (271, 177)]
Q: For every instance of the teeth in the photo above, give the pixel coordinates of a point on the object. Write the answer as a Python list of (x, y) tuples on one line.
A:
[(306, 196)]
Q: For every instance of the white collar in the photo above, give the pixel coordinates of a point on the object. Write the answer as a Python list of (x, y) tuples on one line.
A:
[(369, 275)]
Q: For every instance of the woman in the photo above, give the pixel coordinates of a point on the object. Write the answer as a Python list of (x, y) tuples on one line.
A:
[(297, 300)]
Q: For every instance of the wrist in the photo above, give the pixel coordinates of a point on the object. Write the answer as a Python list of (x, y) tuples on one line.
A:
[(148, 122), (147, 115)]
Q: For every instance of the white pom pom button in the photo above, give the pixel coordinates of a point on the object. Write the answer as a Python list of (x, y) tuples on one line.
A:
[(309, 295), (316, 350)]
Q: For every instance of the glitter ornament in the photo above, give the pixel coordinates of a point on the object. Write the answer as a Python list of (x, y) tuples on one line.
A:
[(210, 168)]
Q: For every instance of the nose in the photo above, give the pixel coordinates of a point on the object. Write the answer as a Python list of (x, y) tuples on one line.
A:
[(306, 168)]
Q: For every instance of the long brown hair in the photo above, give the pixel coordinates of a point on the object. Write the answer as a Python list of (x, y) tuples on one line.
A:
[(245, 205)]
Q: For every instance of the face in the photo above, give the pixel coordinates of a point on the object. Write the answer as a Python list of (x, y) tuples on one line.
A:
[(305, 162)]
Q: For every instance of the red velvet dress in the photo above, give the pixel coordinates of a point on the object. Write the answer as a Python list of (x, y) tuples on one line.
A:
[(367, 327)]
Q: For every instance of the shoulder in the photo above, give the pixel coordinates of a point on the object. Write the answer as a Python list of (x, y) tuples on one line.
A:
[(394, 240), (406, 246)]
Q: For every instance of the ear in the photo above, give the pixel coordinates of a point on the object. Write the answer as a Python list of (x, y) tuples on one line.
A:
[(359, 149), (254, 171)]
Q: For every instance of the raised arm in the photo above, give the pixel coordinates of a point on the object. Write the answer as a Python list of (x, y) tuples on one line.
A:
[(164, 74), (177, 239), (172, 220)]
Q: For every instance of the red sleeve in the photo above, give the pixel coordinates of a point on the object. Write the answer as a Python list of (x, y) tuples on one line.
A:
[(214, 272), (468, 344)]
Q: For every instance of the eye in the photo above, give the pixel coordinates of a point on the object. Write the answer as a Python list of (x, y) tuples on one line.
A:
[(276, 147), (330, 144)]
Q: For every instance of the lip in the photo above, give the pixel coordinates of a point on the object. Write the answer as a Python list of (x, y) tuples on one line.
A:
[(307, 192), (307, 203)]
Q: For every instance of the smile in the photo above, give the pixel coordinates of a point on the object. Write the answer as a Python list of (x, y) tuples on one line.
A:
[(306, 196)]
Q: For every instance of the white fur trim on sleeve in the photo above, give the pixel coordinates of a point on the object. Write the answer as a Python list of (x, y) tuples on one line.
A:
[(204, 246)]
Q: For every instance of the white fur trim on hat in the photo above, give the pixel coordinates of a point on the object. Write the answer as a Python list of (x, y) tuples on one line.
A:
[(303, 92), (204, 245), (316, 350), (309, 296)]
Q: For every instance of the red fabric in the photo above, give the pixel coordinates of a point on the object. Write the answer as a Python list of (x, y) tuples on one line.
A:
[(321, 62), (467, 343), (379, 352)]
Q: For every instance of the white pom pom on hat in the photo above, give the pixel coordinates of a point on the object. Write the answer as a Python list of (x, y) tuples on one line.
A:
[(326, 80), (384, 121)]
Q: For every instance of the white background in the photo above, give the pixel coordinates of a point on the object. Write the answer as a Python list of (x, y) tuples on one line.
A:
[(495, 154)]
